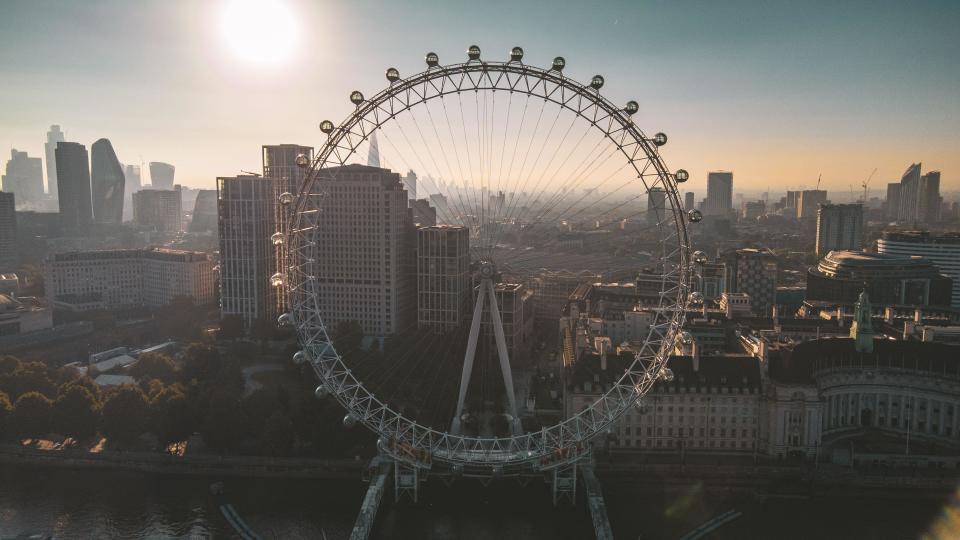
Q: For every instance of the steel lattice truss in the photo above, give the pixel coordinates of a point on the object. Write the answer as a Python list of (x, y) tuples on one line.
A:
[(403, 437)]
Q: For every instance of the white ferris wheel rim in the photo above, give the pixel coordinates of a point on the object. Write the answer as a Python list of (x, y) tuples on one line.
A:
[(402, 437)]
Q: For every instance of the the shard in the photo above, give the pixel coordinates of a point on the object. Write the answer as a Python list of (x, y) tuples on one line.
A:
[(107, 181)]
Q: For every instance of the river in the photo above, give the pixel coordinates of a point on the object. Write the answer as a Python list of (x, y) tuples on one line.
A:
[(105, 504)]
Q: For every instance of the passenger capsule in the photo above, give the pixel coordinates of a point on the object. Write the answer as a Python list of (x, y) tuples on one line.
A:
[(356, 97), (631, 107), (516, 54), (695, 298), (681, 176), (321, 392), (285, 319), (695, 216), (660, 139), (393, 74), (286, 198), (276, 238), (686, 337), (276, 280), (302, 160), (699, 257), (326, 126), (596, 82), (473, 52), (432, 59), (349, 421), (299, 357), (559, 63)]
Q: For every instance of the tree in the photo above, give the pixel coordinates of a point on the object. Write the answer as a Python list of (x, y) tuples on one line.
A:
[(154, 366), (76, 413), (9, 364), (223, 426), (173, 415), (126, 414), (31, 415), (6, 411), (181, 318), (231, 327), (200, 362)]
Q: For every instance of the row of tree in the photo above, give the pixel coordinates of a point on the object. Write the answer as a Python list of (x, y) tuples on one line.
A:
[(202, 392)]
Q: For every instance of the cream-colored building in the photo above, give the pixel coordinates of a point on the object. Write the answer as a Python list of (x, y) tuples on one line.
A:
[(126, 278)]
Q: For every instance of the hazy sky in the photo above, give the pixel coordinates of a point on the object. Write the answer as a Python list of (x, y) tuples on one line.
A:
[(776, 91)]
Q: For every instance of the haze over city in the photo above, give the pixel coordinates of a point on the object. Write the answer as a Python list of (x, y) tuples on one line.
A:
[(483, 270), (780, 93)]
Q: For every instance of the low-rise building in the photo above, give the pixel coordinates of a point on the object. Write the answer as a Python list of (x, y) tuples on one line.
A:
[(128, 278)]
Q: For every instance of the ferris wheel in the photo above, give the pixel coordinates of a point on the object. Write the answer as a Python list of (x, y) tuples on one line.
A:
[(535, 169)]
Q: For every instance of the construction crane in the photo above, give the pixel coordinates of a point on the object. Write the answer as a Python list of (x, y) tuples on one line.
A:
[(819, 176), (865, 184)]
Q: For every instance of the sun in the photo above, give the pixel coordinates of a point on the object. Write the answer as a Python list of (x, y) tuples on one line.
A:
[(262, 32)]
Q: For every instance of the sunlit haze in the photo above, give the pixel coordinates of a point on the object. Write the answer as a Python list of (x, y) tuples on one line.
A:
[(779, 95)]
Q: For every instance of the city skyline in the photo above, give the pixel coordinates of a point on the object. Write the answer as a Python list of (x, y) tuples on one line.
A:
[(810, 102)]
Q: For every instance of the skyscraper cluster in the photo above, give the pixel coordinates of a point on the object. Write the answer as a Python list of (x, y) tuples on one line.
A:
[(916, 199)]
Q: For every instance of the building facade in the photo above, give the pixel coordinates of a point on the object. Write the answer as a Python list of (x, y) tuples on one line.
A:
[(365, 263), (246, 220), (839, 227), (754, 272), (204, 218), (161, 175), (808, 201), (9, 260), (54, 136), (107, 183), (158, 209), (24, 176), (942, 250), (443, 277), (719, 193), (656, 206), (73, 185), (889, 279), (127, 278)]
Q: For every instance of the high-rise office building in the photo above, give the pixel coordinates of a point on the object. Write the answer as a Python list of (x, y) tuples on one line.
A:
[(24, 176), (373, 151), (159, 209), (839, 227), (754, 272), (928, 199), (410, 184), (719, 193), (73, 186), (8, 233), (107, 183), (909, 194), (689, 201), (424, 215), (280, 164), (54, 136), (791, 203), (161, 175), (246, 210), (942, 250), (365, 252), (132, 184), (892, 204), (443, 277), (808, 201), (204, 217), (656, 206)]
